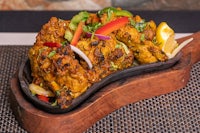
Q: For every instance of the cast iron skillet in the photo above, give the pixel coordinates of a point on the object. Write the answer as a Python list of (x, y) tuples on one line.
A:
[(25, 79)]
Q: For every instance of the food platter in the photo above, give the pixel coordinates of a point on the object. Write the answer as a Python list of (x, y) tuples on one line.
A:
[(71, 60), (25, 79), (107, 99), (125, 59)]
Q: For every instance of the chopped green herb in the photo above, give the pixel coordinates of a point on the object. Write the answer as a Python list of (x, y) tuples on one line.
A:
[(64, 43), (132, 22), (91, 27), (138, 26), (142, 37), (68, 35), (109, 13), (52, 53), (113, 66), (154, 41), (141, 26)]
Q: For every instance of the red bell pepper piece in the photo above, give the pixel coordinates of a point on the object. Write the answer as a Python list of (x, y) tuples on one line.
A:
[(77, 33), (43, 98), (52, 44), (112, 26)]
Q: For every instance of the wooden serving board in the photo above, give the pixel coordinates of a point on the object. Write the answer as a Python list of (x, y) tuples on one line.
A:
[(108, 99)]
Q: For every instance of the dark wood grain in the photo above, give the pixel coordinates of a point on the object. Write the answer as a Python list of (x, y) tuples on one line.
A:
[(108, 99)]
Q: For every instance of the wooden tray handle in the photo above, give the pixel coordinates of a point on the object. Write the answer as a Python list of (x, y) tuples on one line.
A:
[(193, 48)]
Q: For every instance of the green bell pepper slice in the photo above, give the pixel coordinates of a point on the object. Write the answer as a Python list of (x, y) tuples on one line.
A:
[(81, 16), (115, 11)]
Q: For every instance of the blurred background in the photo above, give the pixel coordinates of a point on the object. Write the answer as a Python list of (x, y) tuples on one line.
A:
[(99, 4)]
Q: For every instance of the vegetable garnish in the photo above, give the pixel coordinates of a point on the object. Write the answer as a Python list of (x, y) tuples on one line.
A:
[(43, 98), (68, 35), (101, 37), (52, 44), (76, 24), (52, 53), (77, 33), (112, 26), (64, 43), (113, 66), (81, 54), (165, 37), (82, 16), (116, 11), (91, 27), (124, 47), (142, 37), (36, 89), (139, 26)]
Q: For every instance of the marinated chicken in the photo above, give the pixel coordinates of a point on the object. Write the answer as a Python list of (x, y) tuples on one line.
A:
[(122, 39)]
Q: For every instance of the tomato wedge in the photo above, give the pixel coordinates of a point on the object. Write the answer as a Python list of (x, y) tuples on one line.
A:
[(112, 26), (43, 98)]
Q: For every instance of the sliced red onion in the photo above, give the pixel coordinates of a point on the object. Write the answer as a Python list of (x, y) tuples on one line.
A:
[(101, 37), (81, 54)]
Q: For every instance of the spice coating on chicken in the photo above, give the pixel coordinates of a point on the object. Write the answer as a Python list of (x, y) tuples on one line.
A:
[(141, 43), (107, 56), (56, 67)]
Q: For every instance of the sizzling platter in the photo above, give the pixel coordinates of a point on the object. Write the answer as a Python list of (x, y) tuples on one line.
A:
[(73, 59), (25, 79)]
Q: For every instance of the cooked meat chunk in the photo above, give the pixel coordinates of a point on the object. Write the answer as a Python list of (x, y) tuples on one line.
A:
[(129, 35), (104, 55), (57, 68), (59, 72), (53, 31), (144, 51)]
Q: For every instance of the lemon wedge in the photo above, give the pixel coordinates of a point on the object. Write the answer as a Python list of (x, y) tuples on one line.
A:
[(165, 38)]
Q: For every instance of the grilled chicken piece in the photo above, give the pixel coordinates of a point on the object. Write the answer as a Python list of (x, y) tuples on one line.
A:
[(148, 53), (53, 31), (106, 56), (144, 50), (59, 72)]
